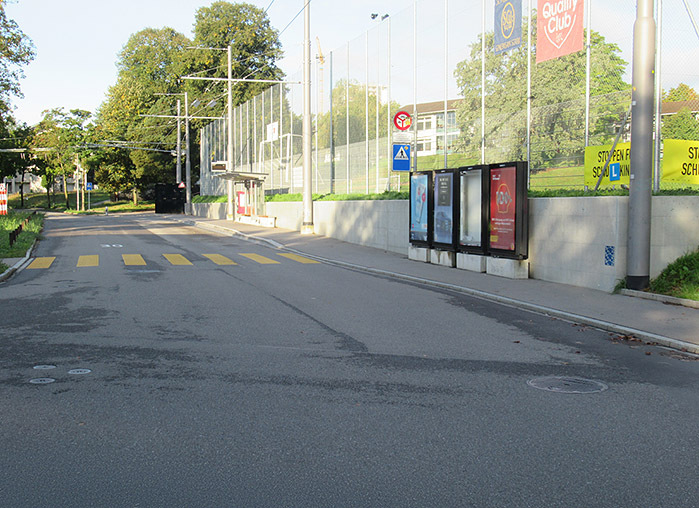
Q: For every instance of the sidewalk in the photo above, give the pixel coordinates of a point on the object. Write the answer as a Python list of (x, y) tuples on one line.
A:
[(652, 321)]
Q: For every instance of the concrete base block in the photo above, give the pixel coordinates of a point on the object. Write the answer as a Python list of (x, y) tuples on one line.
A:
[(471, 262), (509, 268), (419, 254), (443, 258)]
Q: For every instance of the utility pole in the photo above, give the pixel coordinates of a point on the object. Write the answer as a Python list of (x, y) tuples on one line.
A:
[(307, 227), (638, 257), (230, 166), (188, 162), (178, 176)]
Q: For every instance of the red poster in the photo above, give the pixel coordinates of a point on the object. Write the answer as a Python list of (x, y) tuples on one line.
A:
[(559, 28), (502, 208)]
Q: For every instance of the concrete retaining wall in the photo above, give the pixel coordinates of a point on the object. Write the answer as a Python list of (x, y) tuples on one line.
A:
[(577, 241)]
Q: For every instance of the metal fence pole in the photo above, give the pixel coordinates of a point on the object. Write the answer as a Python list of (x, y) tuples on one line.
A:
[(366, 111)]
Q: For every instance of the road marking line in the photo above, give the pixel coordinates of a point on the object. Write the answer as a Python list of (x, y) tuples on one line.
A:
[(300, 259), (177, 259), (219, 259), (133, 260), (260, 259), (40, 263), (92, 260)]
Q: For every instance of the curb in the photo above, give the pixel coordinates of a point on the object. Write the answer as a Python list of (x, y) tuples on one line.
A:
[(648, 337), (11, 271), (661, 298)]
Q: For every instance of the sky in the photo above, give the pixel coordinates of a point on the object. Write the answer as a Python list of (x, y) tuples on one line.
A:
[(77, 41)]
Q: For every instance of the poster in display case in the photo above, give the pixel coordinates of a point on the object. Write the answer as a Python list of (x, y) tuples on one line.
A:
[(508, 212), (444, 218), (473, 209), (420, 208)]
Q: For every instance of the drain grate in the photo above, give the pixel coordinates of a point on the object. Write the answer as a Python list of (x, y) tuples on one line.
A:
[(79, 372), (44, 367), (563, 384), (42, 380)]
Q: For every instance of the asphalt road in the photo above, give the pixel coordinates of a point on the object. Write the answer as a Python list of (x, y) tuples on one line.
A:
[(295, 384)]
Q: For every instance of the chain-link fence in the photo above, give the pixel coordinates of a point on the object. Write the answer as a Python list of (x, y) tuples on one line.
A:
[(434, 60)]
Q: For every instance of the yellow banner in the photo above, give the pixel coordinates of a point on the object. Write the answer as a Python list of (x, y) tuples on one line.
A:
[(596, 156), (680, 161)]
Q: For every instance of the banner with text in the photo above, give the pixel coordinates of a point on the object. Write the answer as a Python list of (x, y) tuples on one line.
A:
[(681, 161), (508, 25), (559, 28), (619, 165)]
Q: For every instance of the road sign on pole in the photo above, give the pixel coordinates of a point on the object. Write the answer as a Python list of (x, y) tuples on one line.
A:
[(402, 120), (401, 157)]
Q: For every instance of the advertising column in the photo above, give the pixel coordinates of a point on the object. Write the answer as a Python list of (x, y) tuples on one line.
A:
[(420, 208), (444, 199), (508, 221)]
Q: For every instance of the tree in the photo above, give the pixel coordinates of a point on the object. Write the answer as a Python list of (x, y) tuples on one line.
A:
[(16, 50), (681, 92), (63, 134), (150, 64), (255, 47), (13, 136), (681, 125), (558, 91)]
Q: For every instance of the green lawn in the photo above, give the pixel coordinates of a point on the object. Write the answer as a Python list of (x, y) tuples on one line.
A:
[(58, 202), (680, 278), (117, 207), (30, 232)]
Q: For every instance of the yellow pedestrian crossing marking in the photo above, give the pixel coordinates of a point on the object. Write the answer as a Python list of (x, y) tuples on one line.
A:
[(177, 259), (93, 260), (133, 260), (260, 259), (219, 259), (85, 261), (299, 259), (40, 263)]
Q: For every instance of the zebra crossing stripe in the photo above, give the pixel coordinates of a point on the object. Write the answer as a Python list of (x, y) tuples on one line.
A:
[(41, 263), (177, 259)]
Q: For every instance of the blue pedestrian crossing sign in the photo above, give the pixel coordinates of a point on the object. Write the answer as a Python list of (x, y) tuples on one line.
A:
[(401, 157)]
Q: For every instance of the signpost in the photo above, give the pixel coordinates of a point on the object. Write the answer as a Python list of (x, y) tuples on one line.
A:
[(402, 120), (88, 187)]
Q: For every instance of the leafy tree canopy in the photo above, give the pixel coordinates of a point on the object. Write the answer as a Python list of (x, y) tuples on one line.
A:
[(681, 92), (16, 50)]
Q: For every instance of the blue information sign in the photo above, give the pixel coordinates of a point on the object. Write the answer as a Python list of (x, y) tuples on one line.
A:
[(88, 186), (401, 157), (615, 172)]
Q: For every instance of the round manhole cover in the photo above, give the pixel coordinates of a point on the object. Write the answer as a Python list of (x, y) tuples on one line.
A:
[(563, 384), (44, 367), (79, 372), (42, 380)]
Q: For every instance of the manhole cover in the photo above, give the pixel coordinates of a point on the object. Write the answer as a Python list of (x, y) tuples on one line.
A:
[(78, 372), (44, 367), (42, 380), (562, 384)]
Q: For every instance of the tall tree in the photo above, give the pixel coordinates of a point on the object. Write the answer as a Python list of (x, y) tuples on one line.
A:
[(12, 164), (16, 50), (558, 91), (150, 64), (254, 45), (63, 134)]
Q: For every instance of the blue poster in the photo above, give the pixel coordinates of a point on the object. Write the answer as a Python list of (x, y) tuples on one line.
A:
[(443, 207), (418, 207), (508, 25)]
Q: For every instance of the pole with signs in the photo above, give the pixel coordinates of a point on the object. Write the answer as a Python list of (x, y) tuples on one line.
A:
[(401, 149)]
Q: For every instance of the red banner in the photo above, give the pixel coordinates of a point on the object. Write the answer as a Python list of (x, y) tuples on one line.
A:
[(503, 185), (559, 28)]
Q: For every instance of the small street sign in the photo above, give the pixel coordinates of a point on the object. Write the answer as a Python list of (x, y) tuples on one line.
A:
[(88, 186), (402, 121), (615, 172), (401, 157), (181, 185)]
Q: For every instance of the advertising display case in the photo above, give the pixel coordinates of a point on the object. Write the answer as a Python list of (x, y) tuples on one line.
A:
[(445, 216), (421, 208), (473, 209), (508, 219)]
